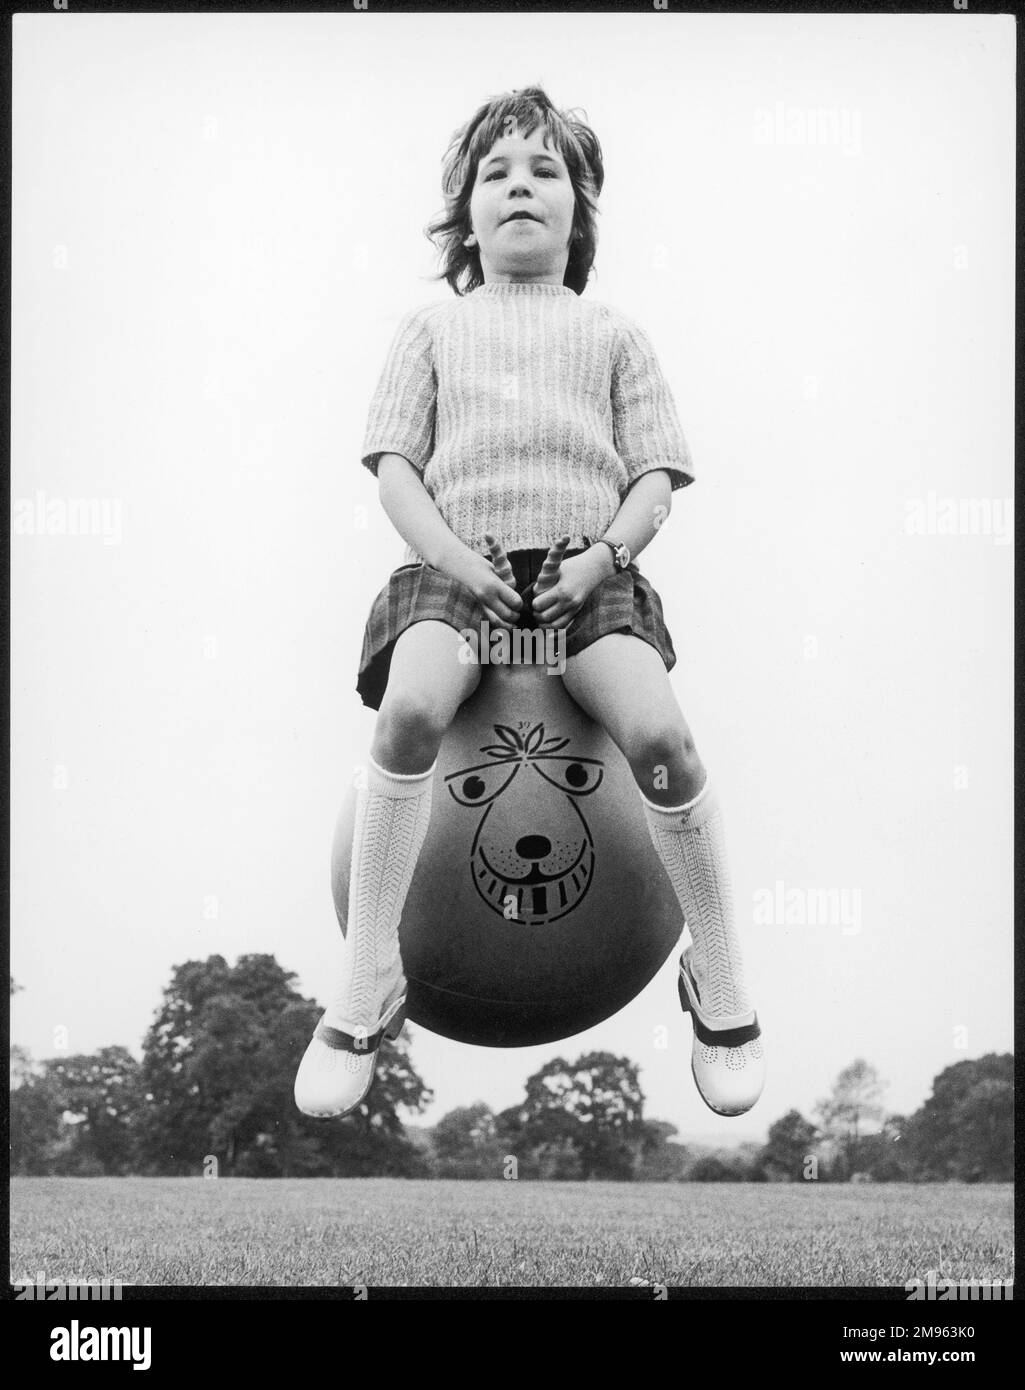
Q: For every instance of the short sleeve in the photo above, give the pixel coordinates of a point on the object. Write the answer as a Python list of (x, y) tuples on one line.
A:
[(402, 408), (646, 428)]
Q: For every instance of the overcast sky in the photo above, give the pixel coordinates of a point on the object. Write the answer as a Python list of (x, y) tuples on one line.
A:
[(217, 225)]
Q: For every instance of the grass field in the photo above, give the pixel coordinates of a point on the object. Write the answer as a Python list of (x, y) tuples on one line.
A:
[(383, 1231)]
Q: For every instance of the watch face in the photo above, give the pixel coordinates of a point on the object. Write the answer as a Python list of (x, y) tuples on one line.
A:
[(623, 557)]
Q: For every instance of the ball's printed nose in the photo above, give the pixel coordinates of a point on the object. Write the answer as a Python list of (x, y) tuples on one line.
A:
[(533, 847)]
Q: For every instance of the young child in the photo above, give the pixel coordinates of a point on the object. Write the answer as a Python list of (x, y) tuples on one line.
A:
[(518, 416)]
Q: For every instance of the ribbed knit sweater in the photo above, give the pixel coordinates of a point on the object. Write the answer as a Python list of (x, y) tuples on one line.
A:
[(528, 412)]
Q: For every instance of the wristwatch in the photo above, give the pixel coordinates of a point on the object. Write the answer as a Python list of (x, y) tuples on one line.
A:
[(620, 553)]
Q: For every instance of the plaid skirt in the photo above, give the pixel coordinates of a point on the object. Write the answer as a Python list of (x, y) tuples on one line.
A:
[(624, 602)]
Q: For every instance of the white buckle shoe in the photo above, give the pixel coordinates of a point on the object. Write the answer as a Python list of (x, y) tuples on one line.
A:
[(337, 1069), (727, 1059)]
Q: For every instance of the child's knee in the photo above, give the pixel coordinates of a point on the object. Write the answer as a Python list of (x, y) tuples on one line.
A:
[(409, 717), (663, 744)]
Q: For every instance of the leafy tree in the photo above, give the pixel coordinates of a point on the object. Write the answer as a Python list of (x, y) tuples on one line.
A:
[(22, 1068), (104, 1096), (467, 1145), (560, 1160), (748, 1157), (584, 1119), (791, 1141), (660, 1159), (219, 1065), (887, 1156), (37, 1126), (855, 1100), (74, 1115), (741, 1164), (716, 1167), (853, 1106), (542, 1144), (965, 1130)]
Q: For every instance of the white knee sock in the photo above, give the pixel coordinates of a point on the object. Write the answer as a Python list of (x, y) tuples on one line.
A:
[(392, 814), (691, 844)]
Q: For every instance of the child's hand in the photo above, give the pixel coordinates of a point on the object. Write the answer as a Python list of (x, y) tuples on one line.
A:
[(485, 579), (563, 585), (550, 569)]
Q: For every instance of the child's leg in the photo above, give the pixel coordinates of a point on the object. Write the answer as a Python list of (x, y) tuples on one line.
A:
[(621, 682), (427, 682), (426, 685)]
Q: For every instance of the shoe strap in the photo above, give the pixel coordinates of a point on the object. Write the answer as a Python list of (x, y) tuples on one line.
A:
[(348, 1042), (342, 1041), (726, 1037), (735, 1034)]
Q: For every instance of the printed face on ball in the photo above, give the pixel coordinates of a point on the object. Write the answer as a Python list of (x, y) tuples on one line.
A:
[(532, 857)]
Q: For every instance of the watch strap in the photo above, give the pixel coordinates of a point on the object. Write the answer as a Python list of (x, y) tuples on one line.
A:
[(614, 548)]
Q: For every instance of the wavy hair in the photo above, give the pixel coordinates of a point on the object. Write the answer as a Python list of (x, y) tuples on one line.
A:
[(571, 136)]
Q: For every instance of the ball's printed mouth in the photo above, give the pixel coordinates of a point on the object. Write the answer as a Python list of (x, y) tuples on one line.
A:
[(538, 898)]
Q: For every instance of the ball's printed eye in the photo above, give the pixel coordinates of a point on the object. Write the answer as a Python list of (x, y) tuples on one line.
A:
[(476, 786), (578, 776)]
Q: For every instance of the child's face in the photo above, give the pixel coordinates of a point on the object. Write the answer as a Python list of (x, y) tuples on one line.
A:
[(523, 175)]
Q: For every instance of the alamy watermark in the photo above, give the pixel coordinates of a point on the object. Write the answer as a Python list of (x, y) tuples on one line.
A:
[(933, 515), (808, 125), (780, 906), (933, 1286), (42, 515), (496, 646), (66, 1290), (80, 1342)]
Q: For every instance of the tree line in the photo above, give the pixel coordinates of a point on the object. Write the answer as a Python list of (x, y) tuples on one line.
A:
[(213, 1095)]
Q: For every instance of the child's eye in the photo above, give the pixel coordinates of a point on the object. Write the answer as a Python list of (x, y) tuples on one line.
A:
[(544, 170)]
